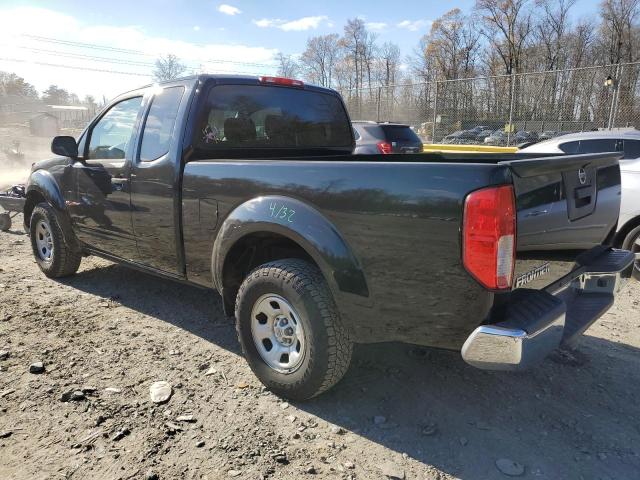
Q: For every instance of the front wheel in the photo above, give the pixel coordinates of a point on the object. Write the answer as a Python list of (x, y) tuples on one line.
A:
[(54, 257), (290, 330), (632, 243)]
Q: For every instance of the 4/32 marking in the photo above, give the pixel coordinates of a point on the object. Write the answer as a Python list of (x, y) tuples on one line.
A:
[(281, 212)]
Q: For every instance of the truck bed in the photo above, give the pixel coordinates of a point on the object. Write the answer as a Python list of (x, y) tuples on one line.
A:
[(401, 217)]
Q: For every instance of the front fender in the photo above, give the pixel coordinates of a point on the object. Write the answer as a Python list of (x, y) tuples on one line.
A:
[(45, 185), (300, 223)]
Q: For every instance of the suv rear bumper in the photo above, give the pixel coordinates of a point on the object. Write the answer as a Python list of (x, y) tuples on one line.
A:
[(536, 322)]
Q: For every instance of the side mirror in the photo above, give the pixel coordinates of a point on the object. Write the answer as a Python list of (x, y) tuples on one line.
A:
[(65, 146)]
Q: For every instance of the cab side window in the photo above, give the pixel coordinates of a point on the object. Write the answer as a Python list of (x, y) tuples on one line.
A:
[(110, 137), (159, 125)]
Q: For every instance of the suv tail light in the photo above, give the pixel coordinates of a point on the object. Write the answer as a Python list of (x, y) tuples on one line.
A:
[(488, 236), (287, 82), (384, 147)]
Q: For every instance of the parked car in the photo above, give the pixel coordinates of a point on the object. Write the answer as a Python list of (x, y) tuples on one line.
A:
[(215, 181), (385, 138), (628, 143), (524, 137), (460, 137), (498, 137), (548, 134), (479, 128), (482, 135)]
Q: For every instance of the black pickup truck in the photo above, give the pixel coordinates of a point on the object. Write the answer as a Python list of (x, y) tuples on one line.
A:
[(249, 186)]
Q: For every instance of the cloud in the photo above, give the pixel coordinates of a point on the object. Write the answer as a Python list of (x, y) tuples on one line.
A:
[(229, 9), (376, 25), (413, 25), (47, 47), (301, 24)]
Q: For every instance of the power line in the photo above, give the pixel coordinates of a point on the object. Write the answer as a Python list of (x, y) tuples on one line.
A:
[(133, 52), (81, 56), (94, 58), (92, 69)]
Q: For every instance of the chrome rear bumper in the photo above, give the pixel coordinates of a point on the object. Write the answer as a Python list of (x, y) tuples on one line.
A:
[(535, 322)]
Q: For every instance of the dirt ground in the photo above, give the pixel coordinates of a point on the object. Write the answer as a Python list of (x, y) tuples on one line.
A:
[(108, 333)]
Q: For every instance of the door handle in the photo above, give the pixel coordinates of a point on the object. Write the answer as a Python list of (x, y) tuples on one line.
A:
[(117, 184), (537, 212)]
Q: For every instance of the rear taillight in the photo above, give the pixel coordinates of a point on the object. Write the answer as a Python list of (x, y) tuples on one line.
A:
[(489, 235), (287, 82), (384, 147)]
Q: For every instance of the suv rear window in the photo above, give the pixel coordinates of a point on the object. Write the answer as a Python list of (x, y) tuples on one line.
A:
[(257, 116), (399, 133)]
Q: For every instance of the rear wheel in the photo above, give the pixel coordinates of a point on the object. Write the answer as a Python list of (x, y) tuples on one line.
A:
[(632, 243), (52, 254), (5, 222), (290, 330)]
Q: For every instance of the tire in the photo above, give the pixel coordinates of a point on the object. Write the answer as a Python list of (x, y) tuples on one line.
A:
[(5, 222), (632, 243), (317, 354), (52, 254)]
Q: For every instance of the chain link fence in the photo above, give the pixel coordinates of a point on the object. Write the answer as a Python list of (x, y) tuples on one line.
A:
[(507, 109)]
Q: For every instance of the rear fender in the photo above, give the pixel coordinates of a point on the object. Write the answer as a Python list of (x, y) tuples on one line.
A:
[(300, 223)]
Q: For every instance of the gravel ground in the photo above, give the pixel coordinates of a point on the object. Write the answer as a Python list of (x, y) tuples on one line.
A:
[(107, 334)]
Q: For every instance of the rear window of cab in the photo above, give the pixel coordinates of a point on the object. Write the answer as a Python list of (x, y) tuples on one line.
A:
[(259, 116)]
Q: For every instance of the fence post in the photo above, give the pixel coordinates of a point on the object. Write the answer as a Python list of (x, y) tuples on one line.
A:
[(616, 105), (435, 113), (378, 104), (513, 88), (613, 97)]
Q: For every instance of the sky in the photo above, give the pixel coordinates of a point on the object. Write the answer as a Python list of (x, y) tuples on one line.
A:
[(107, 47)]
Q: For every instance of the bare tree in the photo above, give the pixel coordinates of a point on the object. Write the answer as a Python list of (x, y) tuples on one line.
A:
[(168, 68), (507, 25), (320, 58), (389, 61), (552, 29), (618, 32), (354, 42), (453, 44), (287, 66)]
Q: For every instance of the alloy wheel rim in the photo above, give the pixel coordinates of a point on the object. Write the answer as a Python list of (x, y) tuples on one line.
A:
[(278, 333), (44, 241)]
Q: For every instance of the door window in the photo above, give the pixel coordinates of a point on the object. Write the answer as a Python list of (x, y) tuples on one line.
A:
[(110, 137), (158, 128), (569, 147), (600, 145), (631, 148)]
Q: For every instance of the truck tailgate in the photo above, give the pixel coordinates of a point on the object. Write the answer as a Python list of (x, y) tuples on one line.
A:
[(565, 205), (564, 277)]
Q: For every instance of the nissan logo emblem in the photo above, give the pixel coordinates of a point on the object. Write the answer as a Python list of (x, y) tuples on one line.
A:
[(582, 176)]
